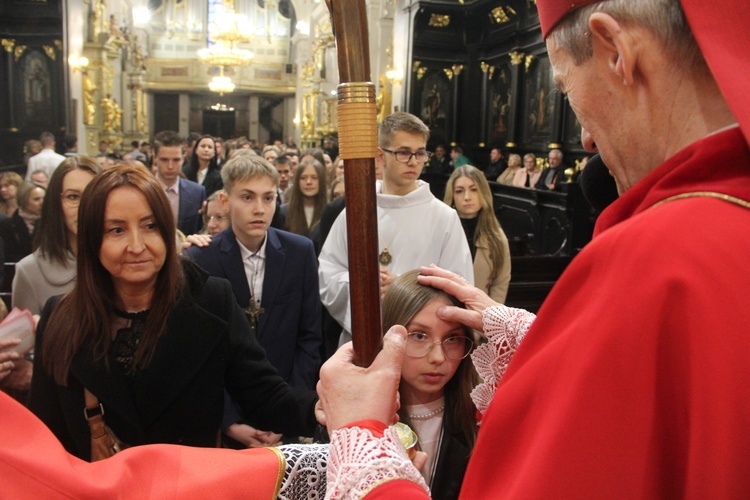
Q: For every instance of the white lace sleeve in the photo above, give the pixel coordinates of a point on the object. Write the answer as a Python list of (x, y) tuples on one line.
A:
[(305, 474), (504, 328), (359, 461)]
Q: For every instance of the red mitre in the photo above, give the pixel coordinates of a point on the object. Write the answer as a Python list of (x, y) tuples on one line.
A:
[(722, 34), (551, 12)]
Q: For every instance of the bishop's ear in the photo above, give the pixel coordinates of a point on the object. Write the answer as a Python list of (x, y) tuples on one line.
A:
[(614, 42)]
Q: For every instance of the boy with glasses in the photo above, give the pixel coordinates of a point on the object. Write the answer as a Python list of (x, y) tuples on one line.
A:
[(414, 227)]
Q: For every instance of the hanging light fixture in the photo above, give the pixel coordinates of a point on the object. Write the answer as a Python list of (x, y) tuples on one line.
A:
[(225, 33), (223, 55), (221, 84)]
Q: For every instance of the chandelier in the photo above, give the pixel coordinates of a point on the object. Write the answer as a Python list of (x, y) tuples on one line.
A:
[(226, 32), (225, 55), (221, 85)]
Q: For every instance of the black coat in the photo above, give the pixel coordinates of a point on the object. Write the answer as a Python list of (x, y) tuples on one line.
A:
[(16, 237), (452, 460), (212, 182), (179, 397)]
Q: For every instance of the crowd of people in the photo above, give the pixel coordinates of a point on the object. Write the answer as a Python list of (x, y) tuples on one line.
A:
[(193, 275), (636, 392), (530, 172)]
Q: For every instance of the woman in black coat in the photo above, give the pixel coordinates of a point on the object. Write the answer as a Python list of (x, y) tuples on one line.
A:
[(152, 337), (203, 167), (17, 231)]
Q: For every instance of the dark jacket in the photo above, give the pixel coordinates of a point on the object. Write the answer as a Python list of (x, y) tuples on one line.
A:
[(452, 460), (551, 175), (289, 329), (493, 170), (16, 237), (192, 196), (212, 182), (179, 397)]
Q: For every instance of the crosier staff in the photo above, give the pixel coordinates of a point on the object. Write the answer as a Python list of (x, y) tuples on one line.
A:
[(358, 137)]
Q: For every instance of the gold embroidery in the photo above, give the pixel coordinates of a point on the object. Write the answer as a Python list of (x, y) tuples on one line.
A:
[(705, 194)]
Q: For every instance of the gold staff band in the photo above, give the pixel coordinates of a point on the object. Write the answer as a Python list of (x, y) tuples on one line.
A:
[(357, 120)]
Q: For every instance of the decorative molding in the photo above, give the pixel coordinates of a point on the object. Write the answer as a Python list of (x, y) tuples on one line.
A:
[(18, 51), (440, 20), (485, 67), (58, 44), (8, 44), (172, 71), (529, 61), (457, 69), (421, 72), (501, 15), (449, 73), (516, 58), (50, 51)]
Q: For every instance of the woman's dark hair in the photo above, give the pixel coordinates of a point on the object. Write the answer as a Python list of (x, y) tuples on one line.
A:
[(191, 172), (83, 317), (403, 300), (296, 221), (51, 237)]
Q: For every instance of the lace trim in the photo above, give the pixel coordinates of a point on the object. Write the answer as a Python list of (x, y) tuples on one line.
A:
[(305, 475), (359, 462), (505, 328)]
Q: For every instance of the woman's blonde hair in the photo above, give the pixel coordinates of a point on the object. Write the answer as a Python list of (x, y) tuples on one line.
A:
[(487, 224)]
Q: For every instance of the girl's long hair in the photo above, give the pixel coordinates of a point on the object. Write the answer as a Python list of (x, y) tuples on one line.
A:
[(403, 300), (82, 319), (296, 222), (487, 225)]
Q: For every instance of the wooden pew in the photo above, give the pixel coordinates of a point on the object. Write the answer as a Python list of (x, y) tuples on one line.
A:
[(532, 277)]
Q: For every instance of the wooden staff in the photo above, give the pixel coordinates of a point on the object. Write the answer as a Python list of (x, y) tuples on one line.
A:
[(358, 139)]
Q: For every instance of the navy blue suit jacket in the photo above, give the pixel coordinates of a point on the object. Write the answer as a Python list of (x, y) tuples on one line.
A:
[(290, 328), (192, 196)]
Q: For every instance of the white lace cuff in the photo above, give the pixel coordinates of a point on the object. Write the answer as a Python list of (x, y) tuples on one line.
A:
[(305, 474), (504, 328), (359, 461)]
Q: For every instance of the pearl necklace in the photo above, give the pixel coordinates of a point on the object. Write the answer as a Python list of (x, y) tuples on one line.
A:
[(428, 416)]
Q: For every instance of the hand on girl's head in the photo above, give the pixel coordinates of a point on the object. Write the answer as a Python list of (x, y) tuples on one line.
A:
[(473, 298)]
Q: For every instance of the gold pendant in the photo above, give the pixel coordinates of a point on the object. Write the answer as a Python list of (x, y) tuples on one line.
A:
[(385, 257)]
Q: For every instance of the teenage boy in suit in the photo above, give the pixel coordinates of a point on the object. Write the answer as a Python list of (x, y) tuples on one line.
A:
[(185, 197), (274, 278)]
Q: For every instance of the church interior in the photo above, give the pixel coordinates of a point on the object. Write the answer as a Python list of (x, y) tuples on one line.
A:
[(110, 72)]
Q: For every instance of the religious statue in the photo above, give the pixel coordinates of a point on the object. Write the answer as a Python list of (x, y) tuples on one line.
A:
[(383, 99), (308, 116), (108, 111), (137, 60), (89, 104), (117, 126)]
